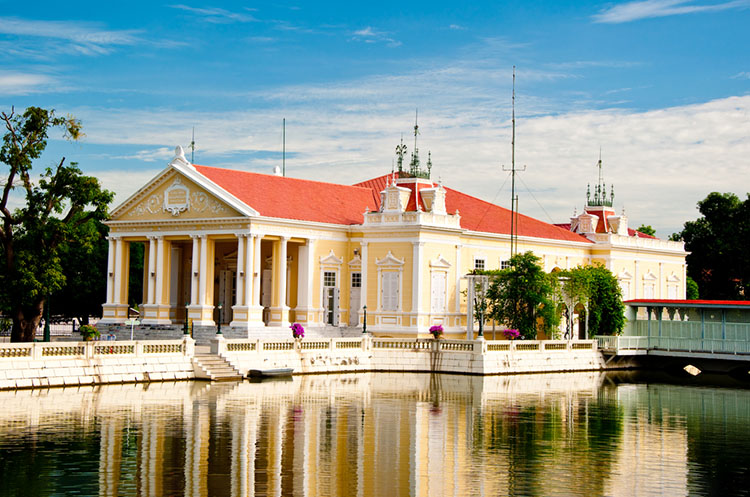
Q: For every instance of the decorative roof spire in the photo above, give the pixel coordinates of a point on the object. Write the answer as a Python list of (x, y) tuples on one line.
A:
[(400, 151), (600, 191)]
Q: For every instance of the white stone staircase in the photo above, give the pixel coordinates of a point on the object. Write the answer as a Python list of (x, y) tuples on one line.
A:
[(215, 368)]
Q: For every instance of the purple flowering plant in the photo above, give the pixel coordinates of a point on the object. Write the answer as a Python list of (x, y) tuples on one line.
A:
[(297, 330), (511, 334), (436, 330)]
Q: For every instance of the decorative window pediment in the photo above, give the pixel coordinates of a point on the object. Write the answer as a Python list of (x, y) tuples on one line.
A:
[(440, 262), (624, 275), (389, 260), (356, 261), (673, 278), (331, 259), (649, 276)]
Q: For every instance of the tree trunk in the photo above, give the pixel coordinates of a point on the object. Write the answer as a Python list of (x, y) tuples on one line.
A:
[(26, 321)]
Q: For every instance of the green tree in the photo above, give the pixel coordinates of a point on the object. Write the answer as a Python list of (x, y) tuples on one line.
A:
[(54, 212), (718, 259), (646, 229), (522, 296), (691, 289), (600, 288), (85, 266)]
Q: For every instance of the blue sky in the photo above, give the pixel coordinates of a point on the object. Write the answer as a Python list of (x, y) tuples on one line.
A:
[(661, 86)]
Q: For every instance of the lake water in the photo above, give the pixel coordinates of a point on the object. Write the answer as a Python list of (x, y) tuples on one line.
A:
[(379, 434)]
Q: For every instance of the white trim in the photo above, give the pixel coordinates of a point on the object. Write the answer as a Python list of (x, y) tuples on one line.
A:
[(440, 262), (330, 259), (389, 260)]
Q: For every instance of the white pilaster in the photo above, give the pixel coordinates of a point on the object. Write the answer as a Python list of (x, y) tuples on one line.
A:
[(240, 284), (151, 269), (202, 277), (111, 269), (160, 270), (194, 272), (304, 312), (283, 308), (119, 249), (249, 270), (257, 269), (458, 280), (363, 289), (416, 284)]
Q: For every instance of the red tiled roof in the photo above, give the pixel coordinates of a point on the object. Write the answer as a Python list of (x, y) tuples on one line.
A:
[(478, 215), (291, 198)]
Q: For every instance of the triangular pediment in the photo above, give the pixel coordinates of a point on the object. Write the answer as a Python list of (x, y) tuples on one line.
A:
[(331, 259), (673, 278), (172, 195), (649, 276), (389, 260), (440, 262), (624, 275)]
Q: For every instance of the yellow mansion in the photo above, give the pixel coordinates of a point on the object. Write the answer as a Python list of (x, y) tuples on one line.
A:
[(258, 250)]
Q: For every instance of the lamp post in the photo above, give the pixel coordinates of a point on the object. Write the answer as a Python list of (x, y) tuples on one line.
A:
[(364, 321), (46, 321), (185, 330), (218, 328)]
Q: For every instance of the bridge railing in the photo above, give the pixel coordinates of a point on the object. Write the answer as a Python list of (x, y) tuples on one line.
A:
[(674, 344)]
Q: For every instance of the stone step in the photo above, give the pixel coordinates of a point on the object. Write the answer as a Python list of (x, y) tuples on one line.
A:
[(216, 367)]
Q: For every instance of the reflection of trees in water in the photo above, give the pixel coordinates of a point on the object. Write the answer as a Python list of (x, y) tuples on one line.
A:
[(535, 443)]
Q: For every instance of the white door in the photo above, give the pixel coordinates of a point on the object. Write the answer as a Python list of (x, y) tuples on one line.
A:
[(330, 297), (354, 299)]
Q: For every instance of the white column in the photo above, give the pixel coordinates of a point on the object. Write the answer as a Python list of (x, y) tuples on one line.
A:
[(635, 281), (117, 294), (303, 277), (249, 270), (661, 283), (202, 283), (151, 268), (240, 286), (111, 269), (363, 289), (257, 270), (458, 279), (194, 272), (282, 274), (416, 284), (160, 270)]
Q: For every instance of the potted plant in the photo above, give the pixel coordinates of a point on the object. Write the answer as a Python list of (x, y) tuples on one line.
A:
[(437, 331), (298, 332), (89, 332)]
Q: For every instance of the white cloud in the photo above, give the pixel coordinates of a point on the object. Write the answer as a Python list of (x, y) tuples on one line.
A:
[(634, 11), (456, 27), (659, 161), (19, 83), (216, 15), (370, 35), (742, 75), (82, 37)]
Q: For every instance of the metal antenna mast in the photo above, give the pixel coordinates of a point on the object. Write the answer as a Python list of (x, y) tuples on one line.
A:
[(513, 198), (192, 148), (283, 146)]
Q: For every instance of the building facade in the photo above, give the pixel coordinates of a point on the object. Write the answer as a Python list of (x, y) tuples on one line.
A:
[(255, 250)]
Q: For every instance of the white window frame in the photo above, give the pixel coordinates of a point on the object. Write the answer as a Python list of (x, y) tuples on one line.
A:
[(478, 258), (439, 265), (332, 264), (390, 264)]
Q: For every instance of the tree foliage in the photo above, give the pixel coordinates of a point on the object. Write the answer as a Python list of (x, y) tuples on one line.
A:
[(598, 287), (718, 259), (55, 211), (646, 229), (522, 296)]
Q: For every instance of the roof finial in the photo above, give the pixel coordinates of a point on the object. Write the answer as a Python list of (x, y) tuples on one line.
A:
[(192, 148), (400, 151), (414, 165)]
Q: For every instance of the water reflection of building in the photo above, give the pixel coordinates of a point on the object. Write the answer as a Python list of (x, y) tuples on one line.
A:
[(367, 435)]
